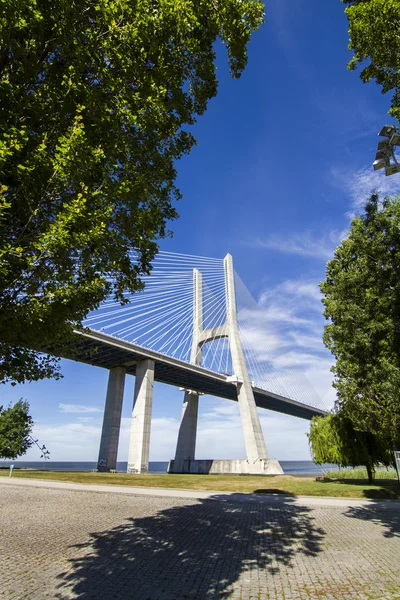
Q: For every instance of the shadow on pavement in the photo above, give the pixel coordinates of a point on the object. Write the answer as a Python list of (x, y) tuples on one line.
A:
[(380, 514), (193, 551)]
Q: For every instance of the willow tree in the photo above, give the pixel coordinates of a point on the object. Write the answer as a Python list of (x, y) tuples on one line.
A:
[(334, 439), (95, 100)]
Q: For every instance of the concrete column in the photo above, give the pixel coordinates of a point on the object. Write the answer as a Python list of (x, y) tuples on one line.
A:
[(186, 446), (195, 354), (253, 435), (112, 420), (139, 443)]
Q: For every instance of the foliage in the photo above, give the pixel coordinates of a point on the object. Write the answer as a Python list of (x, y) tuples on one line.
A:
[(362, 302), (348, 474), (333, 439), (15, 429), (95, 96), (45, 453), (374, 29)]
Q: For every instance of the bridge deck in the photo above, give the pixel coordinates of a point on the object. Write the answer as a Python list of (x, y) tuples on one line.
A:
[(102, 350)]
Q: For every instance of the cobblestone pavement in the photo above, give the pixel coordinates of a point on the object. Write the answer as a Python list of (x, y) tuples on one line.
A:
[(65, 544)]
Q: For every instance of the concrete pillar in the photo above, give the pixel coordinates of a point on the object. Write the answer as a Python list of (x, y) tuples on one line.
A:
[(112, 420), (139, 443), (253, 435), (195, 354), (186, 446)]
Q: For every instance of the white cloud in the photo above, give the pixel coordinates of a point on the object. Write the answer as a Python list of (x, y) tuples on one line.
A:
[(70, 441), (290, 314), (164, 433), (282, 314), (78, 408), (293, 292), (299, 360), (307, 340), (220, 433), (361, 183), (80, 441), (302, 289), (303, 244), (358, 185), (282, 339)]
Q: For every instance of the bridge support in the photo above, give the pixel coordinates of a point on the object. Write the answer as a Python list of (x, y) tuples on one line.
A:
[(257, 458), (111, 420), (139, 443), (186, 446), (256, 449)]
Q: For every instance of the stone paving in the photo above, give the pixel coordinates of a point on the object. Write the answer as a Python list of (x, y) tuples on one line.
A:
[(65, 544)]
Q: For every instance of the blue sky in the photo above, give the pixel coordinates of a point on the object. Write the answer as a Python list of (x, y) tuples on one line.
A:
[(283, 161)]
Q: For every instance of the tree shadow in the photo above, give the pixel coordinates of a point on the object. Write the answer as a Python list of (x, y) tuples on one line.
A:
[(389, 488), (193, 551), (384, 514), (274, 491), (388, 491)]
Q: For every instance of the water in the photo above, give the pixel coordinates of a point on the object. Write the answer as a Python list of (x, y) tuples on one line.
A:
[(290, 467)]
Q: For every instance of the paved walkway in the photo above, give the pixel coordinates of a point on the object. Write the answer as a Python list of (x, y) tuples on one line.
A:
[(62, 542), (392, 505)]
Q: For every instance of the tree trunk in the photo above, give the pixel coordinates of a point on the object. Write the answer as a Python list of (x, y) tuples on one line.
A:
[(370, 472), (395, 463)]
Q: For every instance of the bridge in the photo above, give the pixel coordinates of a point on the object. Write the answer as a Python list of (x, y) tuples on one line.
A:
[(194, 326), (101, 350)]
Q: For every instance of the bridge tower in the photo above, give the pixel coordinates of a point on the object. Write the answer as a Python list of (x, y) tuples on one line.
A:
[(257, 461)]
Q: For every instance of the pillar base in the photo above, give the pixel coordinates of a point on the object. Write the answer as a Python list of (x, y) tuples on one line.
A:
[(103, 468), (264, 466), (134, 470)]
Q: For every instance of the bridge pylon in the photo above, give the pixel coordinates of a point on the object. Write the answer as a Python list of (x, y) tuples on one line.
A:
[(257, 461)]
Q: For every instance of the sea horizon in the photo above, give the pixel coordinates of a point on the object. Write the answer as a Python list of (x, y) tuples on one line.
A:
[(290, 467)]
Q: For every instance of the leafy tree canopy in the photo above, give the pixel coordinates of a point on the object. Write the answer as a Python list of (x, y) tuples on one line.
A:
[(374, 29), (333, 439), (15, 428), (94, 99), (362, 302)]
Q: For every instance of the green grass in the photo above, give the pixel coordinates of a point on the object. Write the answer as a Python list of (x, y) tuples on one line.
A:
[(278, 484), (361, 473)]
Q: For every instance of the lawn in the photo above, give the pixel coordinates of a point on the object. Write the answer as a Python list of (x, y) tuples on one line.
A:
[(272, 484)]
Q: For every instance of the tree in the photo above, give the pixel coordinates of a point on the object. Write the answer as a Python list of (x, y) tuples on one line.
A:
[(362, 302), (95, 96), (15, 431), (333, 439), (374, 29)]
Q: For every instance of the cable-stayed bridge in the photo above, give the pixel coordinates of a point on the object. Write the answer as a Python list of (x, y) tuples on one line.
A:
[(196, 326)]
